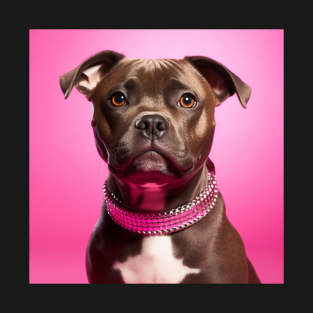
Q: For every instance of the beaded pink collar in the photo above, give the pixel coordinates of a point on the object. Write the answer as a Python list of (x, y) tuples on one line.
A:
[(168, 221)]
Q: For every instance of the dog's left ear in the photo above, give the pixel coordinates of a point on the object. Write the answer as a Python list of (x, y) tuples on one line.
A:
[(224, 82)]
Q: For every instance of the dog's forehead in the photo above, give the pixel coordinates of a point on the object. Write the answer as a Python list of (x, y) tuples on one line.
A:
[(153, 66), (160, 71)]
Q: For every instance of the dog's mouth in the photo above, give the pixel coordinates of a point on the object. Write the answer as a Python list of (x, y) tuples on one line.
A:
[(151, 164)]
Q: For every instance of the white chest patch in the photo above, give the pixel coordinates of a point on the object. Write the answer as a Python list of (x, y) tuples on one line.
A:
[(155, 264)]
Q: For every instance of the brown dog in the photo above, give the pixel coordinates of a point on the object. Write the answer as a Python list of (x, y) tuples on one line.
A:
[(153, 123)]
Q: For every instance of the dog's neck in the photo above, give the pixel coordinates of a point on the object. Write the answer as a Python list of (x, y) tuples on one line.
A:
[(157, 198)]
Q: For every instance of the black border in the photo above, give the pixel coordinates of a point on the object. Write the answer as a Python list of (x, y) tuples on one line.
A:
[(132, 290)]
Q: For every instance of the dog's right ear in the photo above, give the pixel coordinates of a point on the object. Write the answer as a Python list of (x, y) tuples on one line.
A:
[(86, 76)]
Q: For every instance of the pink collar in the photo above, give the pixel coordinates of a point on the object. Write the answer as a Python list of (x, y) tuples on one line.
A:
[(168, 221)]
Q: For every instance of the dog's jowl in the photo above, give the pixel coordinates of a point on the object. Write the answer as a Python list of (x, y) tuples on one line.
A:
[(163, 218)]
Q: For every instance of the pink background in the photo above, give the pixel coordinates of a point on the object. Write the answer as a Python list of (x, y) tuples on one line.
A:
[(67, 174)]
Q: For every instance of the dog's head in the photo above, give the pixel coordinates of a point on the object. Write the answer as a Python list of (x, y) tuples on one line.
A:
[(153, 119)]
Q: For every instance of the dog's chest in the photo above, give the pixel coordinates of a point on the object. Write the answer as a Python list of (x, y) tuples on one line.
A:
[(155, 264)]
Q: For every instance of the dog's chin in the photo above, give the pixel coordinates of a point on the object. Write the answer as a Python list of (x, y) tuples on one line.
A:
[(152, 167), (150, 161)]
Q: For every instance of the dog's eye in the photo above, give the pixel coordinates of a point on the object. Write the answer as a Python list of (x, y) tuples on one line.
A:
[(118, 99), (187, 100)]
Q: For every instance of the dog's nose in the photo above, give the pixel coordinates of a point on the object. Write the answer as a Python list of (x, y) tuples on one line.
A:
[(152, 126)]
